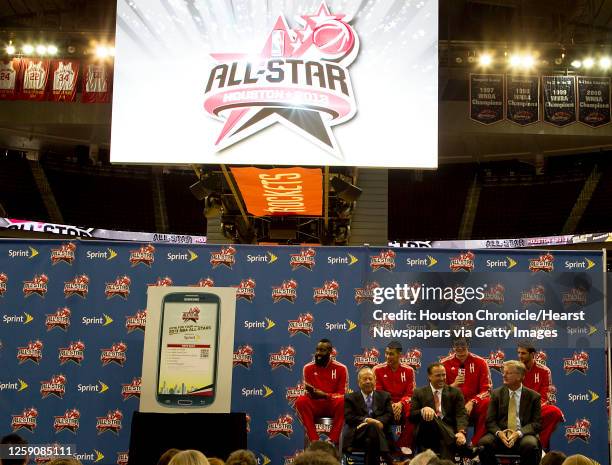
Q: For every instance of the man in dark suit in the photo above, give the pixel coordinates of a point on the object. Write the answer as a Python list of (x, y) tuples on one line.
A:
[(368, 416), (438, 410), (513, 419)]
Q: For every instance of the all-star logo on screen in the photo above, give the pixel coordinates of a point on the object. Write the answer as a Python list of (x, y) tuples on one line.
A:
[(193, 314), (144, 255), (120, 287), (385, 259), (365, 293), (285, 357), (226, 257), (293, 392), (369, 358), (243, 356), (412, 358), (328, 292), (282, 426), (541, 358), (494, 294), (574, 296), (37, 285), (65, 253), (166, 281), (115, 354), (204, 282), (287, 291), (299, 79), (122, 458), (463, 262), (542, 263), (303, 324), (68, 421), (304, 259), (246, 290), (577, 362), (536, 295)]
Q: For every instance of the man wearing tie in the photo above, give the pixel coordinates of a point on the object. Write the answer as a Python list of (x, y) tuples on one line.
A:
[(513, 419), (368, 415), (438, 410)]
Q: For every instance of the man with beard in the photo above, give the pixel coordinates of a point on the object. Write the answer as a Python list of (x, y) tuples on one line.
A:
[(398, 381), (539, 379), (325, 382), (471, 374)]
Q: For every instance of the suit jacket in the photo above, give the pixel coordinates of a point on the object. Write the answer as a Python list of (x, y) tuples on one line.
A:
[(453, 407), (355, 412), (530, 411)]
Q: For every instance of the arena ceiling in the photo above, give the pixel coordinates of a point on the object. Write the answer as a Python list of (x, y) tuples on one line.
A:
[(573, 26)]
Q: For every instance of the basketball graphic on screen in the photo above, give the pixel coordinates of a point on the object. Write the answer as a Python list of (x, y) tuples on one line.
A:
[(333, 38)]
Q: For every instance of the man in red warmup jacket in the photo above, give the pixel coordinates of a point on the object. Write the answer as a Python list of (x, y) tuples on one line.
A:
[(398, 380), (325, 381), (470, 373), (539, 379)]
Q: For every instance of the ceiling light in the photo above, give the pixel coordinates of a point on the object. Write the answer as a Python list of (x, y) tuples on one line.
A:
[(28, 49), (588, 63), (101, 52), (527, 61), (515, 60), (576, 63), (52, 50), (10, 50), (41, 49), (604, 62), (485, 59)]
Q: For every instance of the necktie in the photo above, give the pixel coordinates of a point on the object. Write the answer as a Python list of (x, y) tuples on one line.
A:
[(437, 403), (369, 404), (512, 412)]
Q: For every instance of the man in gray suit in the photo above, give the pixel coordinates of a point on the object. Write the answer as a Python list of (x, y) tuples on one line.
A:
[(438, 410), (513, 419), (368, 416)]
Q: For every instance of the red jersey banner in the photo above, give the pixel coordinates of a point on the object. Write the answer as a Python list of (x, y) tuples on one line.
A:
[(96, 83), (35, 76), (9, 78), (281, 191), (64, 75)]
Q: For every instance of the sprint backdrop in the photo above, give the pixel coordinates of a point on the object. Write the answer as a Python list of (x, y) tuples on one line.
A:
[(73, 377)]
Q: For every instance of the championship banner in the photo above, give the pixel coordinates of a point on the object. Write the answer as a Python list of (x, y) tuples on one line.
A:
[(523, 99), (487, 98), (73, 315), (594, 101), (35, 77), (559, 100), (64, 75), (281, 191), (9, 78), (97, 79)]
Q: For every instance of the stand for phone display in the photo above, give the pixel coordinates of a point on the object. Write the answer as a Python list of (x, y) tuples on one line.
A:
[(200, 321)]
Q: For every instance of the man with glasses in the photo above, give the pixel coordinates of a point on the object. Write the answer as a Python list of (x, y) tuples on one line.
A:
[(471, 374), (513, 419)]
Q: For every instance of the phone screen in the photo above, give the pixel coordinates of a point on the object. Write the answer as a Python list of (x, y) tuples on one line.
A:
[(188, 349)]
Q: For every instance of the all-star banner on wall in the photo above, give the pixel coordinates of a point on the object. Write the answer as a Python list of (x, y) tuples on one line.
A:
[(72, 319), (297, 83)]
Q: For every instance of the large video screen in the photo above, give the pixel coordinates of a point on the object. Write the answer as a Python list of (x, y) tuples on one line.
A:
[(347, 83)]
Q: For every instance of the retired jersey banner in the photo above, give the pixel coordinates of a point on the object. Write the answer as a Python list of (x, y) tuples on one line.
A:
[(97, 79), (34, 78), (281, 191), (9, 78), (64, 75), (523, 99), (73, 315), (594, 100), (559, 99), (487, 98)]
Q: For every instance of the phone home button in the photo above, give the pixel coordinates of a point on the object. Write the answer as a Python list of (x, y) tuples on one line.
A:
[(185, 402)]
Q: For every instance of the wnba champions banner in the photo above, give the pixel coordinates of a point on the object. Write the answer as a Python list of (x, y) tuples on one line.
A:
[(73, 316)]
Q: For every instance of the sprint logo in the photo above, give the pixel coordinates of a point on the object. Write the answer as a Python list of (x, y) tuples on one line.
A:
[(103, 320), (581, 330), (589, 396), (190, 256), (585, 264), (95, 456), (107, 254), (28, 253), (264, 391), (18, 386), (265, 324), (348, 259), (507, 263), (98, 388), (428, 262), (268, 258), (347, 325), (22, 319)]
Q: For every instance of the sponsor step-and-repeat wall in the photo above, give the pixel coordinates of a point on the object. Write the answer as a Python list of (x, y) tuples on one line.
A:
[(73, 317)]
